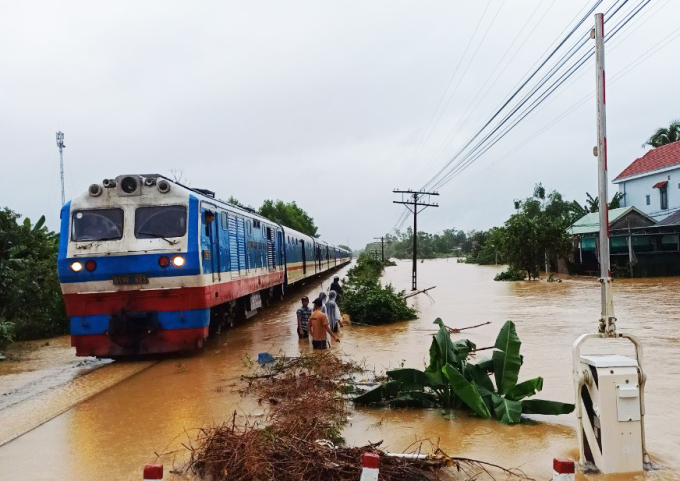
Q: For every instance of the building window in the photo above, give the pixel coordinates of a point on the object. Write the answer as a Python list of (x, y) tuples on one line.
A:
[(648, 200), (663, 194)]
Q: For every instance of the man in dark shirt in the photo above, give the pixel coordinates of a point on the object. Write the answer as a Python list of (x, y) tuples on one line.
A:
[(335, 286), (303, 315)]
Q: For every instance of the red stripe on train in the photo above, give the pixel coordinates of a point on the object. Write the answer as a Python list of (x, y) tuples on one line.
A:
[(157, 342), (182, 299)]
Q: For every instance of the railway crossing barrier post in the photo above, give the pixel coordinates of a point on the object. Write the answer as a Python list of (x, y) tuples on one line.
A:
[(153, 472), (370, 467), (563, 470)]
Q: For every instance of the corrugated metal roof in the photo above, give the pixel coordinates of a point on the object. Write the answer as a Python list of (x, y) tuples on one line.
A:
[(673, 219), (590, 223)]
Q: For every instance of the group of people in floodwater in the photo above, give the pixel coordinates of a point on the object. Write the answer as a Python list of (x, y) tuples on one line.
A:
[(324, 319)]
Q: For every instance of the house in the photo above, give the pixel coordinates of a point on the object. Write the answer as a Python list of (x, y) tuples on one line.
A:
[(632, 233), (652, 182)]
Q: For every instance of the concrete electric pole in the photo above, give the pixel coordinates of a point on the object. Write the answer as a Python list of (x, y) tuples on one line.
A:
[(413, 205)]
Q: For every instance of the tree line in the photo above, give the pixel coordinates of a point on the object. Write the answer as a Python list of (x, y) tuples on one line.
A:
[(534, 234), (31, 304), (286, 213)]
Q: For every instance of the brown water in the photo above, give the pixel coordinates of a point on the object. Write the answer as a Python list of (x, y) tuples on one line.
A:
[(113, 434)]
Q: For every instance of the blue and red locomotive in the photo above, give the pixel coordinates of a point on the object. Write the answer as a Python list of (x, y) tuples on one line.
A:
[(148, 265)]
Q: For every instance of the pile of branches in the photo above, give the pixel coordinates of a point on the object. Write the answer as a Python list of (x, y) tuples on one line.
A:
[(299, 438)]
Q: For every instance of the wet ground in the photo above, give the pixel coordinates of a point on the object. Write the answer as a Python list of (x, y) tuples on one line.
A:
[(111, 435)]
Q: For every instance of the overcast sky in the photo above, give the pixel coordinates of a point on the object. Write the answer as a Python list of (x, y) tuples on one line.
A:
[(323, 102)]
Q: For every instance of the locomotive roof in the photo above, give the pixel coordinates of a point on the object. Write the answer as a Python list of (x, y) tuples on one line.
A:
[(202, 193)]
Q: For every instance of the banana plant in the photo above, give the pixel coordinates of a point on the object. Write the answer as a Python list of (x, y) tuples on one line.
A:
[(451, 380)]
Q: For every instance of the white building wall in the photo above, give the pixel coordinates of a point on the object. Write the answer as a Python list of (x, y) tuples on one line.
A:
[(636, 191)]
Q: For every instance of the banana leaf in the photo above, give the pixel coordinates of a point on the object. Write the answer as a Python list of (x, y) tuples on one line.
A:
[(414, 379), (462, 348), (414, 399), (466, 392), (477, 375), (525, 389), (506, 410), (486, 364), (378, 394), (551, 408), (506, 361)]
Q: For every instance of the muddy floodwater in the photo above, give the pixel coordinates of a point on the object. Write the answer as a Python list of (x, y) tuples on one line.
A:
[(111, 435)]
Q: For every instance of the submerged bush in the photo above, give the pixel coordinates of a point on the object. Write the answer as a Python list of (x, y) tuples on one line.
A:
[(511, 274), (367, 301)]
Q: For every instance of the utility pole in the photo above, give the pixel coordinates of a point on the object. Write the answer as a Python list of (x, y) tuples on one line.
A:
[(413, 205), (382, 246), (60, 144), (607, 319)]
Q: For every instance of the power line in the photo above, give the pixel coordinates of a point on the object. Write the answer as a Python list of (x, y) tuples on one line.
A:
[(624, 71), (420, 142), (472, 155), (516, 92), (455, 129)]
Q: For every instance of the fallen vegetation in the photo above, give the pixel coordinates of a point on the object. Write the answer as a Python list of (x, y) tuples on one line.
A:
[(367, 301), (299, 439), (452, 382)]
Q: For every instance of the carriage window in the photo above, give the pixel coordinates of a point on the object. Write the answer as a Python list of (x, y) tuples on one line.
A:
[(225, 225), (97, 225), (160, 221)]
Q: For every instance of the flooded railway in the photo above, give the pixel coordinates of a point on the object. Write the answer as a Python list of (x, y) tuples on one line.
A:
[(111, 435)]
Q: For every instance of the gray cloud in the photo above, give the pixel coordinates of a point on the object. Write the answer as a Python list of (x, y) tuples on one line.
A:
[(319, 102)]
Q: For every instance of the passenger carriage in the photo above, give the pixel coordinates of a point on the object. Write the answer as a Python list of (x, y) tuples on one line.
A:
[(150, 266)]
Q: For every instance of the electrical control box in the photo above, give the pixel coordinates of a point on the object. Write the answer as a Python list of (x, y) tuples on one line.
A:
[(611, 423)]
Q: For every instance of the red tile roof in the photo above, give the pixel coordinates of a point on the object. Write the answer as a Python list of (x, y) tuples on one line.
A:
[(659, 158)]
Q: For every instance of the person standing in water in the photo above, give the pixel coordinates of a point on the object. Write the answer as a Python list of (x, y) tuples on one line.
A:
[(335, 286), (333, 312), (322, 298), (318, 327), (303, 315)]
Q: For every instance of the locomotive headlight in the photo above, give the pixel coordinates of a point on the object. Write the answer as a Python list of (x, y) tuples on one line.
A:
[(76, 266), (178, 261)]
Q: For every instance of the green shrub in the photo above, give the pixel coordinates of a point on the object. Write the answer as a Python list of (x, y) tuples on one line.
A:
[(367, 301), (511, 274), (30, 296)]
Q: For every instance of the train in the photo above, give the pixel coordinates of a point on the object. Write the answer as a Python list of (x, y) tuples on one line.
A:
[(148, 265)]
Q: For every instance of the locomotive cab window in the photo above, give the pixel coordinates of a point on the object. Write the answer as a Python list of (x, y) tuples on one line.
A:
[(97, 225), (160, 222)]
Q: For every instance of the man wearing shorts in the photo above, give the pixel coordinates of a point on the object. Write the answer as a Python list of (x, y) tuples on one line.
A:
[(318, 327), (303, 315)]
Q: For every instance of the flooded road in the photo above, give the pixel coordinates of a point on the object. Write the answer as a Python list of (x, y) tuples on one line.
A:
[(111, 435)]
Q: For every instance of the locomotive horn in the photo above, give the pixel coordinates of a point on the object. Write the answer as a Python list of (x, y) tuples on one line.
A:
[(163, 186), (95, 190), (149, 181), (109, 183)]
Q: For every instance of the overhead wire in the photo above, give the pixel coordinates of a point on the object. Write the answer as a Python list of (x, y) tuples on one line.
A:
[(441, 99), (656, 48), (500, 62), (484, 148), (514, 94), (471, 155), (544, 92)]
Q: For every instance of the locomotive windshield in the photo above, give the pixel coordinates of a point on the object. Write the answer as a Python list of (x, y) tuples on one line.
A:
[(97, 225), (160, 222)]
